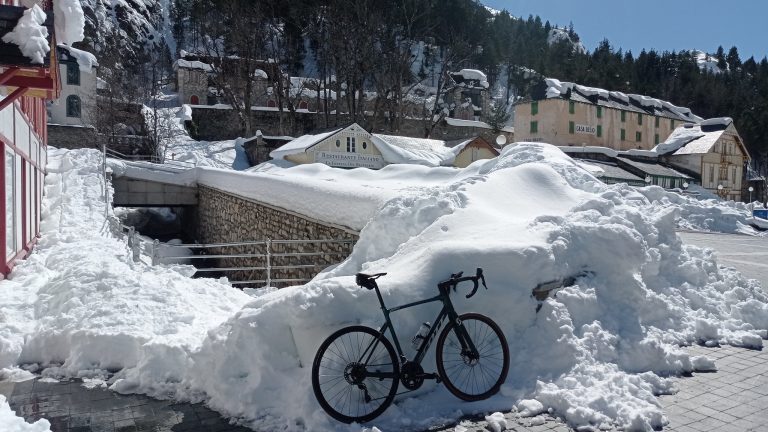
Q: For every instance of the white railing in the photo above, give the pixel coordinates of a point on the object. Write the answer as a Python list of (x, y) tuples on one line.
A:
[(265, 251), (109, 153)]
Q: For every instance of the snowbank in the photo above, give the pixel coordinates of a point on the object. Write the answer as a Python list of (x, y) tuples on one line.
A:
[(610, 338), (12, 423), (80, 306), (30, 35)]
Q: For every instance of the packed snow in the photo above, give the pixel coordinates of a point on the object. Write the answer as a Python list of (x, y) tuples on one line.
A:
[(596, 354), (68, 21), (30, 35), (12, 423), (85, 60)]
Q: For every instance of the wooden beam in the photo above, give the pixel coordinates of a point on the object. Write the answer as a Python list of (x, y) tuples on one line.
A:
[(8, 74), (12, 97), (45, 83)]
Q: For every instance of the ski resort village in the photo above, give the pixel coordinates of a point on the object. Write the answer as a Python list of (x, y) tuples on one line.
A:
[(358, 215)]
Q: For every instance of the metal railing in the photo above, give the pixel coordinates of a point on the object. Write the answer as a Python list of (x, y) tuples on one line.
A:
[(148, 158), (260, 264)]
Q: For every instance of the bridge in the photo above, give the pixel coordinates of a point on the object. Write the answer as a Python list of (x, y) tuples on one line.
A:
[(254, 240)]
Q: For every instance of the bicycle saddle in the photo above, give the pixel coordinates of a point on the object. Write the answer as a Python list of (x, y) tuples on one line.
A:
[(366, 280)]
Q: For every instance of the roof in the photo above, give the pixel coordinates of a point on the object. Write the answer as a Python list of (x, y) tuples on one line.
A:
[(85, 60), (694, 138), (471, 78), (420, 151), (459, 145), (551, 88), (304, 142), (651, 168), (475, 123), (191, 64), (610, 170)]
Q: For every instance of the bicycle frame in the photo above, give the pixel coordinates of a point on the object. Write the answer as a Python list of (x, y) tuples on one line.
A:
[(447, 311)]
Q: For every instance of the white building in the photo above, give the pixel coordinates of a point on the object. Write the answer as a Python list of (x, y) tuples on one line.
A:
[(77, 103)]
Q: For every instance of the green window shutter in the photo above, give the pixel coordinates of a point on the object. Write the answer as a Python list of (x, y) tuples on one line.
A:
[(657, 121), (638, 136), (599, 112), (640, 119), (623, 134), (534, 127), (656, 139), (572, 107), (672, 123), (534, 108), (599, 130), (623, 116), (571, 127)]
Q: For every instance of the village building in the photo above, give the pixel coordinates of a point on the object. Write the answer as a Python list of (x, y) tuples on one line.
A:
[(191, 82), (25, 88), (468, 97), (713, 151), (568, 114), (352, 146), (77, 104)]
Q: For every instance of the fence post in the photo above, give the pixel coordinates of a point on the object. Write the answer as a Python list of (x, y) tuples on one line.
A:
[(269, 262), (155, 250)]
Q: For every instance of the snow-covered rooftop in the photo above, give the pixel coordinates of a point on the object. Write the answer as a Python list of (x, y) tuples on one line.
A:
[(554, 88), (470, 77), (694, 138), (302, 143), (192, 64), (85, 60)]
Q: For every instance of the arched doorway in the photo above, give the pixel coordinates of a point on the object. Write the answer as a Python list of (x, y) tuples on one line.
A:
[(194, 100), (271, 103), (303, 105)]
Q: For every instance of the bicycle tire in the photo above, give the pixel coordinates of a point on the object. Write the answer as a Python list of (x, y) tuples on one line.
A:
[(467, 380), (335, 361)]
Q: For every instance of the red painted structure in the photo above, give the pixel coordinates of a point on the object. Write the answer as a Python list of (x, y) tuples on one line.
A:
[(23, 136)]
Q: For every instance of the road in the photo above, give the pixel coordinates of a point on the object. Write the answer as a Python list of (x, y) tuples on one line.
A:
[(733, 399)]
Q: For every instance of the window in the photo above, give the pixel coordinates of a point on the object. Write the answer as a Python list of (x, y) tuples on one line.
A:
[(672, 123), (534, 108), (365, 145), (599, 112), (571, 107), (657, 121), (656, 138), (571, 127), (640, 119), (338, 143), (73, 106), (623, 116), (599, 130), (712, 174), (534, 127), (350, 144), (10, 229), (733, 175), (623, 134), (638, 136), (73, 74)]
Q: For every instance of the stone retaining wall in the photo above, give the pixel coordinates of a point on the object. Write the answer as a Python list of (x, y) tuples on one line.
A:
[(78, 137), (222, 218)]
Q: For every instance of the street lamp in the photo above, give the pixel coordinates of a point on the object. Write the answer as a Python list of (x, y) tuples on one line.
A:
[(685, 185), (647, 180), (750, 197)]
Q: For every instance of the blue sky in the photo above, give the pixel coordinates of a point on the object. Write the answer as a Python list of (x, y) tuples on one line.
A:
[(659, 24)]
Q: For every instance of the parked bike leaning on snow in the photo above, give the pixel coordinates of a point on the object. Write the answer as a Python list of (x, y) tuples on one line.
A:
[(356, 371)]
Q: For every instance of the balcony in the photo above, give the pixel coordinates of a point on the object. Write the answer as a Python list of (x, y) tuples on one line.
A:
[(17, 72)]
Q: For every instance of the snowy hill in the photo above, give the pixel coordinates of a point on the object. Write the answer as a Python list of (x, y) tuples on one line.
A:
[(561, 35), (707, 62)]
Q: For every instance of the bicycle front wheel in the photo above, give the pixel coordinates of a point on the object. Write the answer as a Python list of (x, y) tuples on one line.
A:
[(473, 377), (355, 374)]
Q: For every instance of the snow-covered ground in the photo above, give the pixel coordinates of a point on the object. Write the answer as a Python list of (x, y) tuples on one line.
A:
[(597, 354)]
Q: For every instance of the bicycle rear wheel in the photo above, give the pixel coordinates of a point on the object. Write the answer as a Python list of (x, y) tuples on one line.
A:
[(355, 374), (469, 377)]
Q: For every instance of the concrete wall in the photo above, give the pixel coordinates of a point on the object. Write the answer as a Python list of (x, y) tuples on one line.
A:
[(77, 137), (222, 217), (553, 119), (472, 153)]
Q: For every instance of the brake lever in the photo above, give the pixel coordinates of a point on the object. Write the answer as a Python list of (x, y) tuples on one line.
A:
[(474, 290)]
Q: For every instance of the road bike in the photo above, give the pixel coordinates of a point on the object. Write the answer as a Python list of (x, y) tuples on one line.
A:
[(356, 371)]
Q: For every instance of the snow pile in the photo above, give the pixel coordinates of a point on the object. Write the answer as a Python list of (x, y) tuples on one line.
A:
[(595, 354), (69, 21), (79, 305), (85, 60), (406, 150), (475, 75), (707, 62), (30, 35), (12, 423)]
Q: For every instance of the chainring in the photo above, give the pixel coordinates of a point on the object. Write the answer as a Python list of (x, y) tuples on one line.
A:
[(411, 375)]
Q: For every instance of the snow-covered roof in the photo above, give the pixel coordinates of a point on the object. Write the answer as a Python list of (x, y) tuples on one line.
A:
[(420, 151), (475, 123), (191, 64), (694, 138), (84, 59), (304, 142), (554, 88), (470, 78)]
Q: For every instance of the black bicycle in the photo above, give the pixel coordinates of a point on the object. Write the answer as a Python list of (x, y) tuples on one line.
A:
[(356, 370)]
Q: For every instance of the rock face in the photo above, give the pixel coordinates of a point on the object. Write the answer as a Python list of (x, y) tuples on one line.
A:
[(132, 28)]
